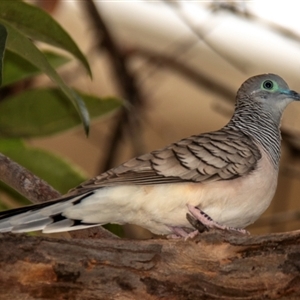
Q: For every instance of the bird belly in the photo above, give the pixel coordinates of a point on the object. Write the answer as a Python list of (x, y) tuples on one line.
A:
[(154, 207)]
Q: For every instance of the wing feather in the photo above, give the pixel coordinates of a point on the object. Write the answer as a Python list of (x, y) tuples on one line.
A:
[(219, 155)]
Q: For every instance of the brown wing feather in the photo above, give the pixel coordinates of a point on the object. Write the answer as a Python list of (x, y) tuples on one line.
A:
[(219, 155)]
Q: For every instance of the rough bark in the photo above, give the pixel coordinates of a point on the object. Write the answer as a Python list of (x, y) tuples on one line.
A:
[(25, 182), (216, 265)]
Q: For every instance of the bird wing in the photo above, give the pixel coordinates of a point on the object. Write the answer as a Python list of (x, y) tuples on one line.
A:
[(219, 155)]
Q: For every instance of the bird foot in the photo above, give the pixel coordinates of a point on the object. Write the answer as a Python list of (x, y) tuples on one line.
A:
[(208, 222), (179, 232)]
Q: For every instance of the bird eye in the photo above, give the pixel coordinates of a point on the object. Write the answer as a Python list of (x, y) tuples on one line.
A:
[(268, 84)]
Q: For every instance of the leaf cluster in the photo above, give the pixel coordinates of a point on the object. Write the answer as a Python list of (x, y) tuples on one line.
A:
[(40, 112)]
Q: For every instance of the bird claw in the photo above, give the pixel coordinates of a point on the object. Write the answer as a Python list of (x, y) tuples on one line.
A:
[(199, 226), (201, 221), (179, 232)]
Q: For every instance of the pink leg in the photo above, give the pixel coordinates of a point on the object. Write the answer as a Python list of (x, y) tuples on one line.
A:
[(179, 232), (207, 221)]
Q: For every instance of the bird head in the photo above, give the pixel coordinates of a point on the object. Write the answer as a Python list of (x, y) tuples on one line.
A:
[(268, 92)]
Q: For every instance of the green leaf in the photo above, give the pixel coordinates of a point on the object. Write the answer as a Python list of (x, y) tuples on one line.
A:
[(16, 198), (115, 229), (52, 168), (42, 112), (21, 45), (38, 25), (16, 68), (3, 36)]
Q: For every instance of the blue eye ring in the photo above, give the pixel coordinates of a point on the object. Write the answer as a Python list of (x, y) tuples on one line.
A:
[(268, 85)]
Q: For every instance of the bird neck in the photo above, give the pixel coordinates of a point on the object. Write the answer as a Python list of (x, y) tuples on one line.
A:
[(259, 124)]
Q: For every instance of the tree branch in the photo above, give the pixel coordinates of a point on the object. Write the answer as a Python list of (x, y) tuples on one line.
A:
[(216, 265), (25, 182)]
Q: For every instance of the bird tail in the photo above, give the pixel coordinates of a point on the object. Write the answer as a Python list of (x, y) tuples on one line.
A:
[(47, 216)]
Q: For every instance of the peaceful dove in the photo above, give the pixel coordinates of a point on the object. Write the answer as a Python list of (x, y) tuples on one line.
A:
[(225, 178)]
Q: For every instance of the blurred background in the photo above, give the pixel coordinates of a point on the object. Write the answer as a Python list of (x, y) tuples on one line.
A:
[(177, 65)]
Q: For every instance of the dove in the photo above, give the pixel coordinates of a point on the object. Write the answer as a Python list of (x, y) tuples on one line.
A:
[(224, 179)]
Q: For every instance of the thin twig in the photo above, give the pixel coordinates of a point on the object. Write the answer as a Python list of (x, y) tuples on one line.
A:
[(201, 80), (240, 9), (177, 8), (126, 81)]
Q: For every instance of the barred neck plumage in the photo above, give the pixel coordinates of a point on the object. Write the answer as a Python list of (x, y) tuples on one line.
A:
[(259, 124)]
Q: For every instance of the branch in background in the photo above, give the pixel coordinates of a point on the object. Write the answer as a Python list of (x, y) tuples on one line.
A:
[(201, 80), (25, 182), (128, 119), (47, 5), (177, 8), (240, 9)]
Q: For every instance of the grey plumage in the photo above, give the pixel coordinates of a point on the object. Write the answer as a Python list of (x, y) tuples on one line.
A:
[(260, 119), (213, 172), (223, 154)]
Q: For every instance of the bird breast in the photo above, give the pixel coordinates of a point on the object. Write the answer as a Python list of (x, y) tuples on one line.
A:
[(240, 202)]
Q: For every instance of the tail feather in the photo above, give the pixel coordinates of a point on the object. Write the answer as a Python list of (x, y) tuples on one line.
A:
[(47, 216), (67, 225), (30, 208), (32, 226), (6, 227)]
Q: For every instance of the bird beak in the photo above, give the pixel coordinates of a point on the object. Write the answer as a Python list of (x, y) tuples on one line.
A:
[(293, 95)]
